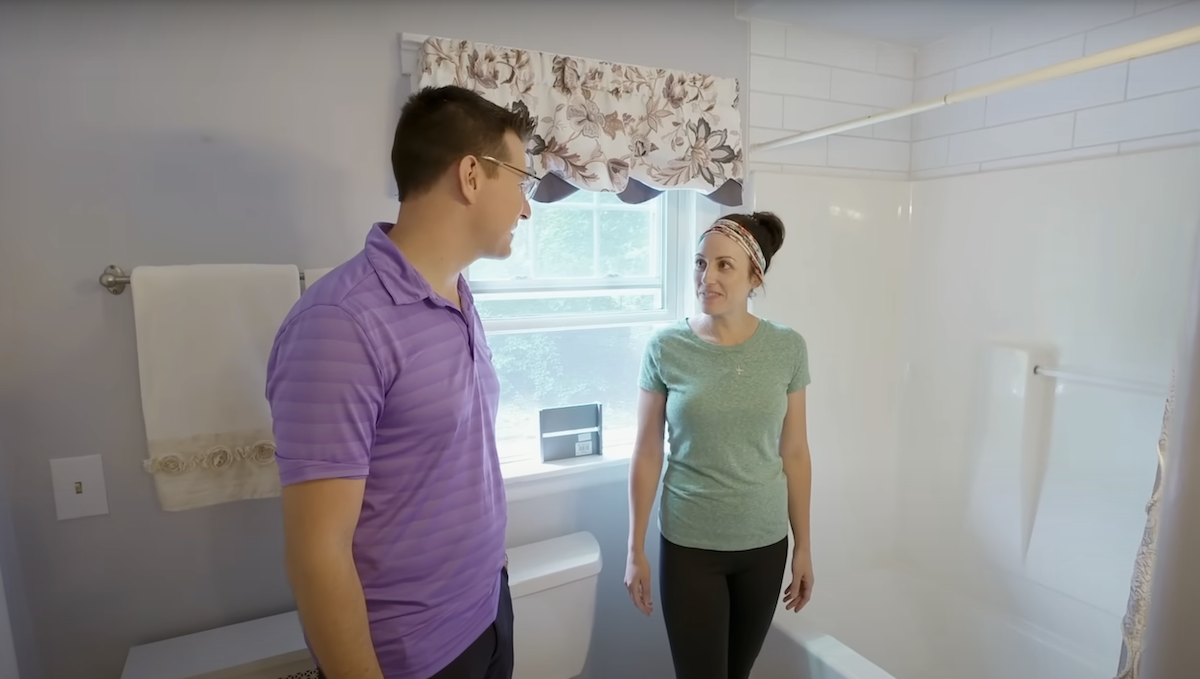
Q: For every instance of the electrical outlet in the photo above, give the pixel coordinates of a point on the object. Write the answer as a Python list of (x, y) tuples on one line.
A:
[(78, 487)]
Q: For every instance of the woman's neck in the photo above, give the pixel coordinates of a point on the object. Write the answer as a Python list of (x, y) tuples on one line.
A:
[(728, 329)]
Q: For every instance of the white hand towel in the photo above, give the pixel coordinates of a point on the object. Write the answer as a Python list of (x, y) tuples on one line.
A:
[(313, 275), (204, 335)]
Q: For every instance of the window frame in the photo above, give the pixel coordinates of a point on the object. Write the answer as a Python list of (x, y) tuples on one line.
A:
[(686, 214), (682, 212)]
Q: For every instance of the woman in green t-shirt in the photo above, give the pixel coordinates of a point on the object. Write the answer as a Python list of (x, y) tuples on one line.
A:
[(729, 389)]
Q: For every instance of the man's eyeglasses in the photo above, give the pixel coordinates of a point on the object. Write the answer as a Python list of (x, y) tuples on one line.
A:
[(530, 182)]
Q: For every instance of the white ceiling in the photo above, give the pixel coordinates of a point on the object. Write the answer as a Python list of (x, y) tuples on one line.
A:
[(901, 22)]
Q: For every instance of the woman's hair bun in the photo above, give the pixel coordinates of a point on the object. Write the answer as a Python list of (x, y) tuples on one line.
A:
[(771, 226)]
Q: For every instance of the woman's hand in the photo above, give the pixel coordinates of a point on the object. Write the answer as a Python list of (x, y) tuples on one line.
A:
[(800, 591), (637, 581)]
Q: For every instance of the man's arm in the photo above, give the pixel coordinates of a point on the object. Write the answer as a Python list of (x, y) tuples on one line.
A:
[(318, 522), (326, 394)]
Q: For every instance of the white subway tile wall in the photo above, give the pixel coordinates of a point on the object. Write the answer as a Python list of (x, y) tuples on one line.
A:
[(1166, 72), (895, 60), (1144, 6), (801, 79), (1164, 142), (949, 54), (1062, 95), (1174, 113), (1055, 19), (801, 113), (1015, 63), (878, 154), (931, 153), (1144, 26), (1018, 139), (1152, 102)]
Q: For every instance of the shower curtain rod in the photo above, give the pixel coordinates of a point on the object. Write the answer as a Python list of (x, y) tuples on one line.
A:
[(1162, 43), (1100, 381)]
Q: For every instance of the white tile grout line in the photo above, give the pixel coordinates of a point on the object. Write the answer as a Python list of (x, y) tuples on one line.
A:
[(1036, 160), (1047, 42), (1061, 113), (843, 68), (917, 50)]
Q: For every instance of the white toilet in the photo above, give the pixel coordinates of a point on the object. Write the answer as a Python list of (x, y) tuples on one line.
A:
[(553, 587)]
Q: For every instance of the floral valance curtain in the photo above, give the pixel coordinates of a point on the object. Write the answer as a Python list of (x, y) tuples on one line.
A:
[(603, 126)]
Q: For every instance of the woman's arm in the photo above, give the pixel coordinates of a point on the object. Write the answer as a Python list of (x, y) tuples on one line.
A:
[(645, 469), (797, 466)]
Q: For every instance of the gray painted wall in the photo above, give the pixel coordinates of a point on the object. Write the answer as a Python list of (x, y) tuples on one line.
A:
[(167, 133), (18, 652)]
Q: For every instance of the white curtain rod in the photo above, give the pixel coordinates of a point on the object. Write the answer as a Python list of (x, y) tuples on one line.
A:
[(1162, 43), (1101, 381)]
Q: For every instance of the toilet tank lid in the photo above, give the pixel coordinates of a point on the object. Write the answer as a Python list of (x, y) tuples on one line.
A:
[(551, 563)]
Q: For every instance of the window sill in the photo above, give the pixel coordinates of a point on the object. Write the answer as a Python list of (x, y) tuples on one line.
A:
[(534, 478)]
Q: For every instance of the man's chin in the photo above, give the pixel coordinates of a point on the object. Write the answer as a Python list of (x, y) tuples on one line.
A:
[(502, 251)]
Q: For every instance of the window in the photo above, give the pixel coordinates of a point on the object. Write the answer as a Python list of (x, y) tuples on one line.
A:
[(569, 313)]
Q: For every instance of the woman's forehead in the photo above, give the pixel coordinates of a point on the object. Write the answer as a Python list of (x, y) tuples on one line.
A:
[(719, 245)]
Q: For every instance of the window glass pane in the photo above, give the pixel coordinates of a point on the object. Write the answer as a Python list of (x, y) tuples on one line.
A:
[(519, 265), (561, 368), (508, 305), (589, 235), (629, 243), (607, 198), (564, 243)]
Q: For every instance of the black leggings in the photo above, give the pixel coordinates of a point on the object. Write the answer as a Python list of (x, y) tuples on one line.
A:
[(718, 606)]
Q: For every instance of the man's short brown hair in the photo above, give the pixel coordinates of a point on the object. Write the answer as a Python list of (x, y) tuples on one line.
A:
[(440, 126)]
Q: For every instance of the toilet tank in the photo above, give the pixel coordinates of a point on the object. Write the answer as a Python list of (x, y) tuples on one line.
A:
[(553, 586)]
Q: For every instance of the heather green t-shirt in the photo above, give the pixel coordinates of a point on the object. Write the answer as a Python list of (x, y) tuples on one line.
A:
[(724, 487)]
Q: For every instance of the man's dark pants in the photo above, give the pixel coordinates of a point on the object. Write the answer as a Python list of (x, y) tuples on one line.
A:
[(491, 655)]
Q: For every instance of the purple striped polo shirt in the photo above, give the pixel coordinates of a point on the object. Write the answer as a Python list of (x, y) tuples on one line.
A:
[(373, 375)]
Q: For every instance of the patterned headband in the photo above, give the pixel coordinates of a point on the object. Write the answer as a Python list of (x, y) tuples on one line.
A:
[(739, 235)]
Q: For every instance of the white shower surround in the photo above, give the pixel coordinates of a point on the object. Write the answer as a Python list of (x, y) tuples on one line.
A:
[(897, 286), (897, 624)]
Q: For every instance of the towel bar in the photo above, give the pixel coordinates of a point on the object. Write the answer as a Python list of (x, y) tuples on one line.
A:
[(115, 280)]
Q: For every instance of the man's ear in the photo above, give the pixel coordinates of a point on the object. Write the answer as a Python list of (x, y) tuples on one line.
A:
[(469, 173)]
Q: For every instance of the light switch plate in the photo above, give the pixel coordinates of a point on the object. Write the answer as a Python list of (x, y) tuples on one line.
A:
[(78, 487)]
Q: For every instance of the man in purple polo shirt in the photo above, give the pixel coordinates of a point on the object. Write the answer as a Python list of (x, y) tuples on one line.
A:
[(384, 402)]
